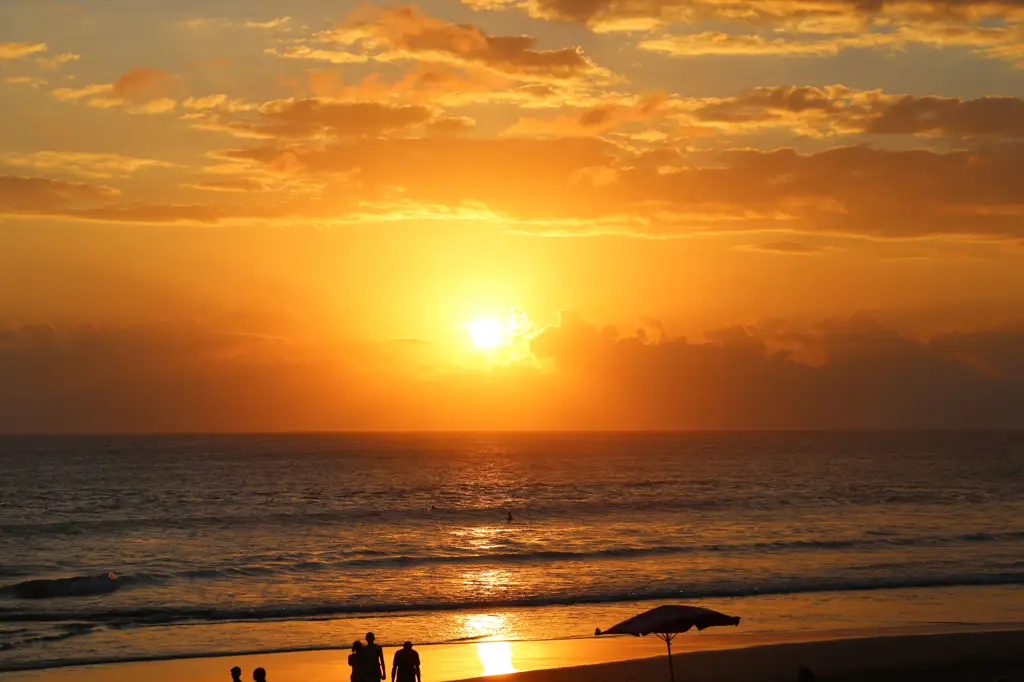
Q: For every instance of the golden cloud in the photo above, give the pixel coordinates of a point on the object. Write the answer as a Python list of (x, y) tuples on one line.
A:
[(87, 165), (51, 63), (718, 43), (20, 50), (823, 16)]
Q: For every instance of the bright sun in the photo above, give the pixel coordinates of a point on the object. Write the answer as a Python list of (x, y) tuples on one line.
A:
[(485, 333)]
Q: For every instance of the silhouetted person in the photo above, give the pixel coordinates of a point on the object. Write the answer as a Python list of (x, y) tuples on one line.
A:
[(406, 665), (236, 674), (364, 666), (376, 654), (509, 517), (259, 675), (805, 674), (357, 661)]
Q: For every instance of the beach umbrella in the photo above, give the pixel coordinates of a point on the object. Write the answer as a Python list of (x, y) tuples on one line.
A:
[(666, 622)]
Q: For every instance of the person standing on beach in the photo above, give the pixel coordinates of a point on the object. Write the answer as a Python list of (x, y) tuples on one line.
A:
[(406, 665), (376, 654), (359, 661)]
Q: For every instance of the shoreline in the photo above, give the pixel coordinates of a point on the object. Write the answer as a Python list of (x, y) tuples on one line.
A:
[(560, 660)]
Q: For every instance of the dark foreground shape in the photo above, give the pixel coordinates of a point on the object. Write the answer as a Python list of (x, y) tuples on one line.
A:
[(79, 586), (668, 621)]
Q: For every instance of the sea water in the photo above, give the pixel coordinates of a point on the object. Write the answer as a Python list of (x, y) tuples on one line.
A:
[(274, 542)]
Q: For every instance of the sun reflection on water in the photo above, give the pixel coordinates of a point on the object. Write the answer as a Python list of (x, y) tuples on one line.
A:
[(496, 658)]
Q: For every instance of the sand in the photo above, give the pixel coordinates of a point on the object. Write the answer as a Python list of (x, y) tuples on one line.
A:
[(954, 657)]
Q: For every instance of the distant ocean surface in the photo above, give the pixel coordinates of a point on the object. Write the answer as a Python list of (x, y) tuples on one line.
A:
[(260, 543)]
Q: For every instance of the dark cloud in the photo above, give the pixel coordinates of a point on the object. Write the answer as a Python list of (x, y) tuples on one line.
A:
[(315, 117), (310, 116), (404, 32), (36, 194), (837, 109), (987, 116), (844, 373), (839, 373)]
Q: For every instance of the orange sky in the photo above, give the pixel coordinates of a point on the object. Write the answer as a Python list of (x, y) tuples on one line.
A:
[(709, 214)]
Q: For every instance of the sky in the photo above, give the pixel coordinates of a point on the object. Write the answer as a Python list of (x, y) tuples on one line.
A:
[(511, 214)]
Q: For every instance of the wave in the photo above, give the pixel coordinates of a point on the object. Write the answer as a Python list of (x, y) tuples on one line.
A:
[(77, 586), (302, 564), (142, 616), (598, 500), (88, 586)]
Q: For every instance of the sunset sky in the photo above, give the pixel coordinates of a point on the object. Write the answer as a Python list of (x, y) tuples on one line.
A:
[(505, 214)]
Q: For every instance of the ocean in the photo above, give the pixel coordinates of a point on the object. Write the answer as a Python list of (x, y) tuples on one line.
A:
[(251, 543)]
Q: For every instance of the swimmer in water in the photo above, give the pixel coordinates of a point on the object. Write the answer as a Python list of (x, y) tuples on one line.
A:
[(509, 517)]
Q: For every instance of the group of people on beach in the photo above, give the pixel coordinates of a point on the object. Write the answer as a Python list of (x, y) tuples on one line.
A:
[(367, 663)]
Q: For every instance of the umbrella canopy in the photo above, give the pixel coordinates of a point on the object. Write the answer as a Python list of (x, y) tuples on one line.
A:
[(668, 621)]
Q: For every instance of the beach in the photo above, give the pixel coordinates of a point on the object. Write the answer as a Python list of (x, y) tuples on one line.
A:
[(981, 656)]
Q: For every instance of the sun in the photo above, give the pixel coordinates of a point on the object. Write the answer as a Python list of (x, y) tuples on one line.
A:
[(486, 333)]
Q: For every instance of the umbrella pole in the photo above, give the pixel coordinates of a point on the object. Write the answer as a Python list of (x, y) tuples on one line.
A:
[(671, 667)]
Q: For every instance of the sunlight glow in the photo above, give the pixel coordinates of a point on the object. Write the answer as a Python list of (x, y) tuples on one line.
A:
[(485, 333), (496, 658)]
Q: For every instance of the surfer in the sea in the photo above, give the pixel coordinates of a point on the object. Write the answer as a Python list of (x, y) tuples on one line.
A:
[(509, 517)]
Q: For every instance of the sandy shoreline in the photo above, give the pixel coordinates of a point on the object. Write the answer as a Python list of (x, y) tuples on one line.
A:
[(704, 658)]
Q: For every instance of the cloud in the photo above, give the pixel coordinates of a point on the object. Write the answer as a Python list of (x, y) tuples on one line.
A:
[(314, 117), (28, 194), (841, 110), (209, 23), (589, 185), (718, 43), (345, 163), (74, 94), (20, 50), (58, 61), (269, 24), (824, 16), (991, 29), (241, 374), (1002, 116), (314, 54), (142, 85), (787, 248), (841, 373), (219, 102), (82, 164), (141, 91), (33, 82), (593, 120), (404, 32), (231, 185), (163, 105), (446, 85)]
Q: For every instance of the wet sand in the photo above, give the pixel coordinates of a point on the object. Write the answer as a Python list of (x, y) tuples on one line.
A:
[(840, 657)]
